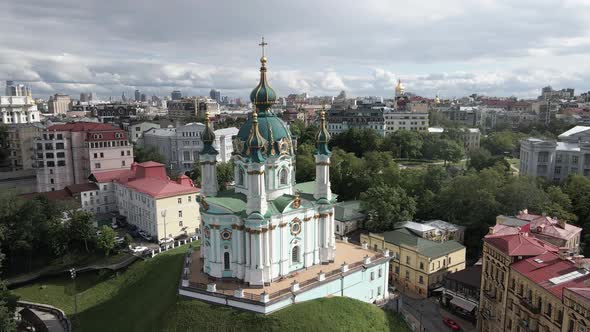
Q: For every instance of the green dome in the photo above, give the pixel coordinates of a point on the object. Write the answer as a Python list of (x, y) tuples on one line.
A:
[(263, 96), (270, 127)]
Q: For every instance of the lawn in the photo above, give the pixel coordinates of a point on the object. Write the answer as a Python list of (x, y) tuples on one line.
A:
[(144, 298)]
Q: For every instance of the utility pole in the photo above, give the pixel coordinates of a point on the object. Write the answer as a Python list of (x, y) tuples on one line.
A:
[(73, 275), (163, 214)]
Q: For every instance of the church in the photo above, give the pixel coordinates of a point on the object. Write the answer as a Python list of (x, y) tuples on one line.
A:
[(269, 233)]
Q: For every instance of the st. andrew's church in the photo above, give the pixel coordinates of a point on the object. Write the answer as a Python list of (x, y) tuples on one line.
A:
[(268, 235)]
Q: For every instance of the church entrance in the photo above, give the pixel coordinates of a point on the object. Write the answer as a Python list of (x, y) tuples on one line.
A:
[(296, 258)]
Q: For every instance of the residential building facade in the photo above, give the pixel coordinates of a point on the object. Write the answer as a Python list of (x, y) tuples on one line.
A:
[(67, 154), (59, 104), (135, 131), (418, 264), (19, 144), (555, 160)]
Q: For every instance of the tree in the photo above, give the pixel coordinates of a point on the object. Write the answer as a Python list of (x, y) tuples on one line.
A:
[(448, 150), (7, 306), (502, 143), (348, 175), (81, 227), (143, 154), (387, 206), (404, 144), (482, 158), (106, 240), (195, 173), (4, 148), (305, 163), (225, 174), (305, 134), (358, 141)]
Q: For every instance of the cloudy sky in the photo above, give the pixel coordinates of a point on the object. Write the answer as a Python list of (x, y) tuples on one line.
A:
[(451, 47)]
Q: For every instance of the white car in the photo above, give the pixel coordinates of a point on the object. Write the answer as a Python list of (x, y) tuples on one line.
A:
[(166, 240), (119, 240), (138, 249), (114, 225)]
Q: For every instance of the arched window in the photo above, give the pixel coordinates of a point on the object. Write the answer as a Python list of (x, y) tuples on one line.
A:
[(240, 176), (226, 260), (283, 175), (295, 255)]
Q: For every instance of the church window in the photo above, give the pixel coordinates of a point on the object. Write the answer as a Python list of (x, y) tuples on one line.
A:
[(295, 255), (240, 176), (372, 275), (226, 235), (283, 175), (296, 227), (226, 260)]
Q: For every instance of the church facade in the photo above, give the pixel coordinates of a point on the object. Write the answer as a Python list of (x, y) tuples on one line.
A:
[(267, 228)]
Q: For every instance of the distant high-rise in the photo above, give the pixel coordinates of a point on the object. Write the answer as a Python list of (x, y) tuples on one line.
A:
[(143, 97), (137, 95), (13, 89), (215, 94), (84, 97), (176, 95), (123, 97), (92, 96)]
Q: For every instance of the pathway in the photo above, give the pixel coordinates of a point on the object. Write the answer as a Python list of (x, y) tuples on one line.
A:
[(50, 320), (430, 314)]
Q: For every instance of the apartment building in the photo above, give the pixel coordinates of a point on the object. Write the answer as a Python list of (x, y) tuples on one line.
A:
[(18, 109), (154, 203), (19, 142), (555, 160), (192, 107), (526, 274), (135, 131), (59, 104), (396, 120), (181, 146), (67, 154), (418, 264)]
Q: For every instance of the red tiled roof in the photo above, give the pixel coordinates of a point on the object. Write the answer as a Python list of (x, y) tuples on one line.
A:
[(550, 266), (159, 188), (519, 244), (122, 175)]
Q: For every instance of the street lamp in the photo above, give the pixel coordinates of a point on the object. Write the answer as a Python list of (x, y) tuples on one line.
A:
[(163, 214), (73, 275)]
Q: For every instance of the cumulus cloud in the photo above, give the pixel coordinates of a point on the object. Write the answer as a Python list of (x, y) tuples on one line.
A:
[(454, 48)]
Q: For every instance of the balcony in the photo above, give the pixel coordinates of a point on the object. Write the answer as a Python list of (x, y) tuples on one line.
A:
[(530, 306)]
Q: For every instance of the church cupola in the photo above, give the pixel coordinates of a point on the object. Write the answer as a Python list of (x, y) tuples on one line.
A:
[(263, 96), (322, 162), (323, 136), (208, 160), (255, 143)]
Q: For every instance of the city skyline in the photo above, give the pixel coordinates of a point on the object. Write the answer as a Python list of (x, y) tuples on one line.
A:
[(455, 49)]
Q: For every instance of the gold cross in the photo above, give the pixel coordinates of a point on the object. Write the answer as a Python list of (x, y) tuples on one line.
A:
[(262, 44)]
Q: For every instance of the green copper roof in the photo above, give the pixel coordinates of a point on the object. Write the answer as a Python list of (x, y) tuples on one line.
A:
[(263, 96), (424, 247), (323, 136), (348, 210), (272, 130), (255, 143), (208, 137)]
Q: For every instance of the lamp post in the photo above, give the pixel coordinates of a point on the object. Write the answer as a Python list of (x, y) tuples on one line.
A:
[(163, 214), (73, 275)]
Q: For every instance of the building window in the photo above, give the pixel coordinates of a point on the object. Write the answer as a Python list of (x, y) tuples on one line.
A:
[(226, 260), (240, 176), (102, 155), (122, 162), (283, 174), (449, 260), (295, 255), (407, 274), (421, 280), (397, 270), (180, 201), (189, 198), (128, 152), (122, 153), (378, 291), (97, 165), (372, 275), (51, 181), (380, 273), (179, 214), (407, 259), (180, 223), (421, 266)]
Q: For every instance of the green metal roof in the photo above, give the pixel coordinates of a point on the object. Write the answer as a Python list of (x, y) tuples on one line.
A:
[(432, 249), (348, 210), (268, 124), (235, 202)]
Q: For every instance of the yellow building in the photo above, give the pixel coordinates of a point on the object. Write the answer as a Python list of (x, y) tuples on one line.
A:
[(418, 264)]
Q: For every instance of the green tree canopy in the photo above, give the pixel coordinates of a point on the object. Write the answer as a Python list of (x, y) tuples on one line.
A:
[(358, 141), (106, 240), (387, 206), (404, 144), (225, 174), (143, 154)]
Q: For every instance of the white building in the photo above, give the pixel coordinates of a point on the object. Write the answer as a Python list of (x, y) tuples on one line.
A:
[(135, 131), (181, 146), (18, 109), (395, 120), (555, 160), (348, 217)]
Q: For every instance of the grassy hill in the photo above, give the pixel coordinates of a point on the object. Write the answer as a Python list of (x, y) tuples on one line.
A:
[(144, 298)]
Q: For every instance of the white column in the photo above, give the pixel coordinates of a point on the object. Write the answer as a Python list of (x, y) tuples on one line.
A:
[(4, 118), (256, 190), (322, 177)]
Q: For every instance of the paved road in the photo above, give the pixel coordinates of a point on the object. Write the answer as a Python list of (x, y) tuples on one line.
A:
[(432, 315)]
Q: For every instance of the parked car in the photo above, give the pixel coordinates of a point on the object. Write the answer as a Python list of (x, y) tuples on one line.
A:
[(166, 241), (451, 324), (119, 240), (145, 236), (138, 249), (114, 225)]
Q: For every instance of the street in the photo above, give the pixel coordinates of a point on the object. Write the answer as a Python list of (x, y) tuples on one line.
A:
[(431, 314)]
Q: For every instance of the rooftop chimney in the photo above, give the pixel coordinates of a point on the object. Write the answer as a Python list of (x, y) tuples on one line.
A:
[(492, 230), (561, 223)]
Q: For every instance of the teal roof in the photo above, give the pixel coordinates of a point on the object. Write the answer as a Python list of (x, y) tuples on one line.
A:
[(236, 202), (432, 249), (348, 210), (271, 128), (263, 96)]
